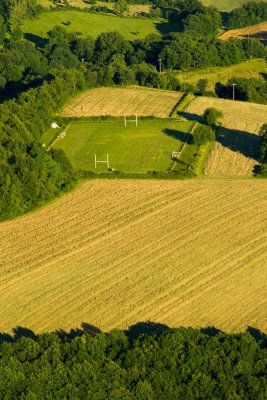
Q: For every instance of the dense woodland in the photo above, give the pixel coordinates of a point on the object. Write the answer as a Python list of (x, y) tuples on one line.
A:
[(38, 78), (164, 364)]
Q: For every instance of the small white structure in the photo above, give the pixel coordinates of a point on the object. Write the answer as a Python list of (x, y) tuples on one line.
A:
[(175, 155), (54, 125)]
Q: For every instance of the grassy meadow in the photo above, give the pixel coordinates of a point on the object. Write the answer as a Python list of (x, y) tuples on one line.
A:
[(90, 24), (247, 69), (133, 149)]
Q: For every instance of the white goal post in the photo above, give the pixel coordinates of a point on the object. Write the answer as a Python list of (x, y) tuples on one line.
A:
[(102, 161), (130, 120)]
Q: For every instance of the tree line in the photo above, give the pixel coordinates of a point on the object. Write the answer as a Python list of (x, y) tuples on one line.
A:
[(246, 89), (250, 13), (173, 364)]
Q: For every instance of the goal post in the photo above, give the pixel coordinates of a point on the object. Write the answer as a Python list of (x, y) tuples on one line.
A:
[(102, 161), (130, 120)]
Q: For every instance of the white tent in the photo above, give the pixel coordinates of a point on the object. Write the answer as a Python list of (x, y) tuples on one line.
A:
[(54, 125)]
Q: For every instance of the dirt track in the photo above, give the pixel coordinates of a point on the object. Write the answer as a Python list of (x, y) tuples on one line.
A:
[(113, 253)]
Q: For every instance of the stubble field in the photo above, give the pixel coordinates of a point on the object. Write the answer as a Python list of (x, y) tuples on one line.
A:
[(119, 102), (236, 151), (258, 31), (113, 253)]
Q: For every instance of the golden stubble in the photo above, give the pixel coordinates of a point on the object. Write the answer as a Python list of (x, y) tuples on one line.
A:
[(119, 102), (113, 253)]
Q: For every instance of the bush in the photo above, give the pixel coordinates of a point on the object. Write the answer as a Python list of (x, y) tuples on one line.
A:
[(211, 116), (203, 134)]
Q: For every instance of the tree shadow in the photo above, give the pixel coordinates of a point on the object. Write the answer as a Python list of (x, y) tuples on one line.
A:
[(164, 28), (6, 338), (78, 332), (21, 331), (210, 331), (147, 328), (262, 36), (264, 75), (243, 142), (90, 329), (39, 41), (257, 334), (175, 134), (191, 117)]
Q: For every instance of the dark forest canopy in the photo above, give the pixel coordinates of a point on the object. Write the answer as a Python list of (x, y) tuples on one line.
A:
[(250, 14), (172, 364)]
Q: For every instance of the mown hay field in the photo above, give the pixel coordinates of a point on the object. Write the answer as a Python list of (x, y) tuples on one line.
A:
[(142, 148), (119, 102), (113, 253), (236, 152), (258, 31), (91, 24), (222, 161), (237, 115)]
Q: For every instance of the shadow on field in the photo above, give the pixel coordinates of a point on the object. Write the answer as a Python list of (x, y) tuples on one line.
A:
[(262, 36), (174, 133), (190, 116), (146, 328), (257, 334), (243, 142), (167, 27), (210, 331), (39, 41), (76, 332)]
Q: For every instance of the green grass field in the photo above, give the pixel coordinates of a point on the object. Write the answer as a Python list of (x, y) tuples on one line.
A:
[(226, 5), (93, 24), (247, 69), (132, 149)]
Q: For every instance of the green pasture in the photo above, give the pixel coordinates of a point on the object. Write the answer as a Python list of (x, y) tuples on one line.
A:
[(132, 149), (226, 5), (247, 69), (90, 24)]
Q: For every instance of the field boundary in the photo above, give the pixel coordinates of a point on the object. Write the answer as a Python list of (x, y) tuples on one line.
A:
[(185, 101), (58, 134), (184, 145)]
